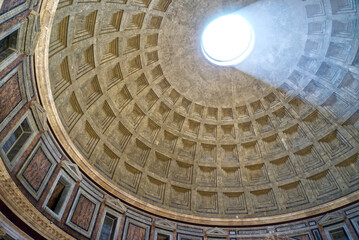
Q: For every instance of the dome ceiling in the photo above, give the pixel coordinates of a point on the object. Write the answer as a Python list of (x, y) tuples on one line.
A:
[(274, 135), (188, 71)]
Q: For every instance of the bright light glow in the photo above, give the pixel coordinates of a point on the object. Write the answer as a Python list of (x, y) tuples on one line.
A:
[(228, 40)]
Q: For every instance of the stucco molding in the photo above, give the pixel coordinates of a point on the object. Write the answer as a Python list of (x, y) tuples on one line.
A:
[(331, 218), (216, 232), (165, 224), (73, 170), (116, 204)]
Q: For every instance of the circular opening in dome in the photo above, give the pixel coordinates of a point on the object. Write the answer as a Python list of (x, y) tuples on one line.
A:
[(228, 40)]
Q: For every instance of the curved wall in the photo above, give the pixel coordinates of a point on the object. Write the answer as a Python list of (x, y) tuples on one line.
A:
[(50, 194)]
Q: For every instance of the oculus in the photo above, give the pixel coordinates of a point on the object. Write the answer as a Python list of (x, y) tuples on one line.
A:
[(228, 40)]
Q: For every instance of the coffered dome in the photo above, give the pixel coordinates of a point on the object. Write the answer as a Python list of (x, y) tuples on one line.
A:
[(141, 108)]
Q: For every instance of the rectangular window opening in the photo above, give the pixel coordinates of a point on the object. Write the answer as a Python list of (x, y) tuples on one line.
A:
[(338, 234), (161, 236), (17, 139), (108, 227), (56, 200), (8, 45)]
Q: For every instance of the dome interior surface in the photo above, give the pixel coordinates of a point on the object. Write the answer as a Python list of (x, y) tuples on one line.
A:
[(274, 135)]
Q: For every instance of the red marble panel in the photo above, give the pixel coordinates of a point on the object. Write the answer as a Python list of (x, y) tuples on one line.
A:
[(14, 21), (135, 233), (37, 169), (10, 96), (10, 4), (83, 213)]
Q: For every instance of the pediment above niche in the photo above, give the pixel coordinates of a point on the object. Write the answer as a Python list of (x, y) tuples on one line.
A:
[(165, 224), (32, 33), (73, 170), (331, 218), (116, 204), (40, 116), (216, 232)]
